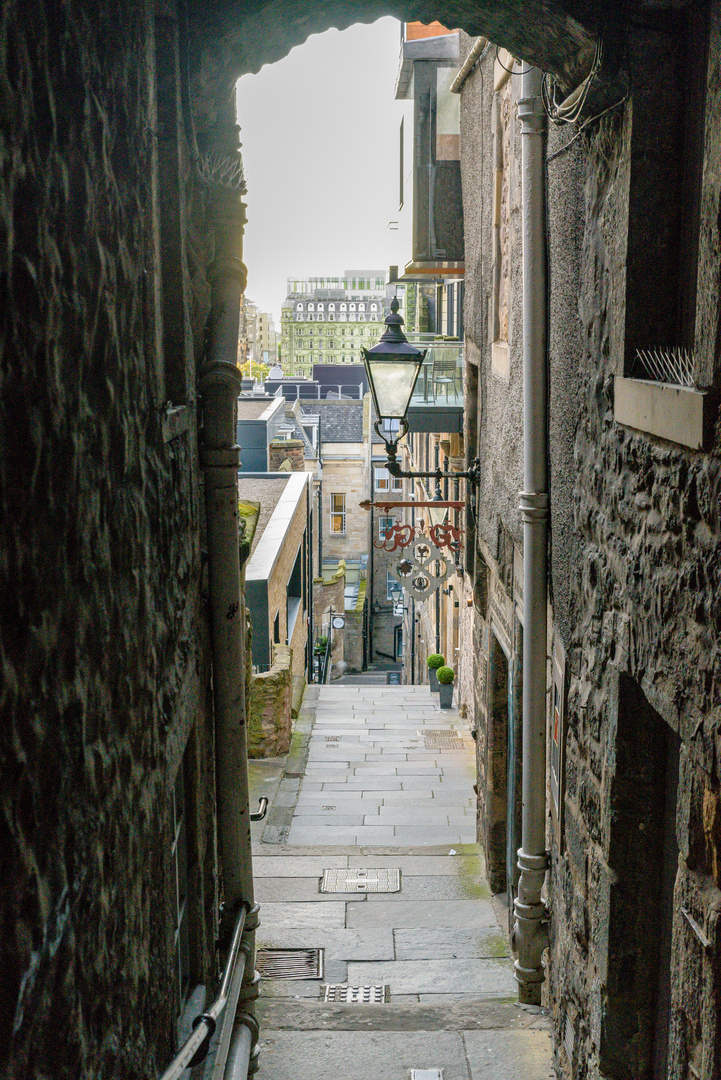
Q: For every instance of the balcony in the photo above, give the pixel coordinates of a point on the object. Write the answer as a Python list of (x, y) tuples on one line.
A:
[(437, 402)]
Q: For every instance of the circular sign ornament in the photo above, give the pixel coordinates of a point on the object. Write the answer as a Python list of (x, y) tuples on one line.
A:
[(338, 622), (423, 569)]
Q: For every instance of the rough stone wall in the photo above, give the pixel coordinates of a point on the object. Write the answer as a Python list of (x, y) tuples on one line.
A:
[(269, 717), (103, 628), (645, 642)]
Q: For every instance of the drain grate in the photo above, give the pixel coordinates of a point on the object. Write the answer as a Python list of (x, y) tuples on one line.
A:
[(444, 742), (290, 963), (433, 733), (332, 738), (356, 995), (360, 879)]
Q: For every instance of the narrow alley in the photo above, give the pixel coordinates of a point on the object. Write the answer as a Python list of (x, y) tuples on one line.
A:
[(375, 803)]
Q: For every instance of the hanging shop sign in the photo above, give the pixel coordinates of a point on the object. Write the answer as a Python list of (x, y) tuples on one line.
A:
[(423, 565)]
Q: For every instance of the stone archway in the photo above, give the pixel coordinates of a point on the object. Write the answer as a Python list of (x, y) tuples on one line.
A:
[(235, 38)]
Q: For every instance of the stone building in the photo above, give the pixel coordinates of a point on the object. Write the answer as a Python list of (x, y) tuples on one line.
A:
[(632, 258), (341, 438), (121, 284), (327, 320)]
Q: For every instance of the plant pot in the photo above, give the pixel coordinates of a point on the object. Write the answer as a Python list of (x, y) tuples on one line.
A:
[(446, 692), (433, 680)]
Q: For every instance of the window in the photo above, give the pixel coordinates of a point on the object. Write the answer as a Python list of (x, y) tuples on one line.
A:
[(385, 482), (374, 307), (331, 307), (320, 307), (311, 307), (344, 307), (337, 513), (361, 307), (385, 524), (298, 307)]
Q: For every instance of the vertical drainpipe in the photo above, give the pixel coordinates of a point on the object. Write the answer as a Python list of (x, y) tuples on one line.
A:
[(220, 382), (530, 933)]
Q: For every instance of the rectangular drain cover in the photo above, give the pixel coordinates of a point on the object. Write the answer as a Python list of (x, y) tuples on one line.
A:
[(360, 879), (448, 733), (444, 742), (426, 1074), (356, 995), (290, 963)]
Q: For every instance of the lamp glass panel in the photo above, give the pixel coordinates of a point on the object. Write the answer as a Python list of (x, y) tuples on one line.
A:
[(394, 381)]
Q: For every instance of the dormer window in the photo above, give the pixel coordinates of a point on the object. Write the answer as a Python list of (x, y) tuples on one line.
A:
[(344, 307), (298, 307), (320, 307), (352, 307), (361, 307), (311, 307), (331, 307)]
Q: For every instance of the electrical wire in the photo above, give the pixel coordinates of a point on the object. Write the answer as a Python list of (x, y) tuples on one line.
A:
[(584, 125), (510, 70)]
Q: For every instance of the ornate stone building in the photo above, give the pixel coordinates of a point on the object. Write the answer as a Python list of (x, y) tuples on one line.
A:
[(328, 320)]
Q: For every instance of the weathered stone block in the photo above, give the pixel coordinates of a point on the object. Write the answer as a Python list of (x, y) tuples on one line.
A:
[(269, 714)]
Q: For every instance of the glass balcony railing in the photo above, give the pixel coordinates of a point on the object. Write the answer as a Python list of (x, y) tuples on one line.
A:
[(440, 381)]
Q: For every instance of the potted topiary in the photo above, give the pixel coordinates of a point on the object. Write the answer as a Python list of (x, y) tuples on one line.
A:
[(434, 661), (445, 678)]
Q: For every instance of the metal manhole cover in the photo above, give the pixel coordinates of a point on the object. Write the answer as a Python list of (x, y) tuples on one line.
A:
[(439, 733), (360, 879), (356, 995), (441, 742), (290, 963), (332, 738)]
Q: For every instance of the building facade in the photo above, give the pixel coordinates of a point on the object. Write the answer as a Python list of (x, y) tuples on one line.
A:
[(328, 320), (633, 624)]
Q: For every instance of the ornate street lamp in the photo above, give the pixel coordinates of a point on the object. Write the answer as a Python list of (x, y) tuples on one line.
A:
[(392, 367)]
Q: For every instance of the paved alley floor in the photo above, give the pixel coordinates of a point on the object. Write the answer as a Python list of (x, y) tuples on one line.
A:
[(380, 781)]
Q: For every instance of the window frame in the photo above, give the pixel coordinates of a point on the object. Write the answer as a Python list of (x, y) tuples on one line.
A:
[(336, 513)]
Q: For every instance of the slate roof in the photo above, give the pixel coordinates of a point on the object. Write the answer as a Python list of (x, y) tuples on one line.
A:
[(340, 421)]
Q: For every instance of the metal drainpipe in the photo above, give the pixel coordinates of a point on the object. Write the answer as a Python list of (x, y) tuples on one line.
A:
[(220, 382), (530, 933)]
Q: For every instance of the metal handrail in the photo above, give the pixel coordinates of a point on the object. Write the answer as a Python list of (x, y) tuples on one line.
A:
[(205, 1024)]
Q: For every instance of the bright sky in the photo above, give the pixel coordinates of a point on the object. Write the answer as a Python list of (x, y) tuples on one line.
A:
[(320, 147)]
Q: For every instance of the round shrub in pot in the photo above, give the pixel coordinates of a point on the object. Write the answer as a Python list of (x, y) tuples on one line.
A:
[(434, 661), (445, 676)]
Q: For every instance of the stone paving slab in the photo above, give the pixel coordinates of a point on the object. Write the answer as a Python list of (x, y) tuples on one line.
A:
[(324, 835), (289, 914), (288, 866), (469, 976), (339, 944), (435, 887), (509, 1055), (413, 913), (359, 1055), (413, 816), (448, 943), (461, 1015), (306, 890), (425, 865)]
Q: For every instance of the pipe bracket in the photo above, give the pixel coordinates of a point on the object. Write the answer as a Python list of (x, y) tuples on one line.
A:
[(533, 505), (532, 115)]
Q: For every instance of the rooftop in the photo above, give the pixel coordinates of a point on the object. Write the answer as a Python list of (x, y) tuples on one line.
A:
[(341, 421)]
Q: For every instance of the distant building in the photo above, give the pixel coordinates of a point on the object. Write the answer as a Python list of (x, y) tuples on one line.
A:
[(327, 320), (258, 338)]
